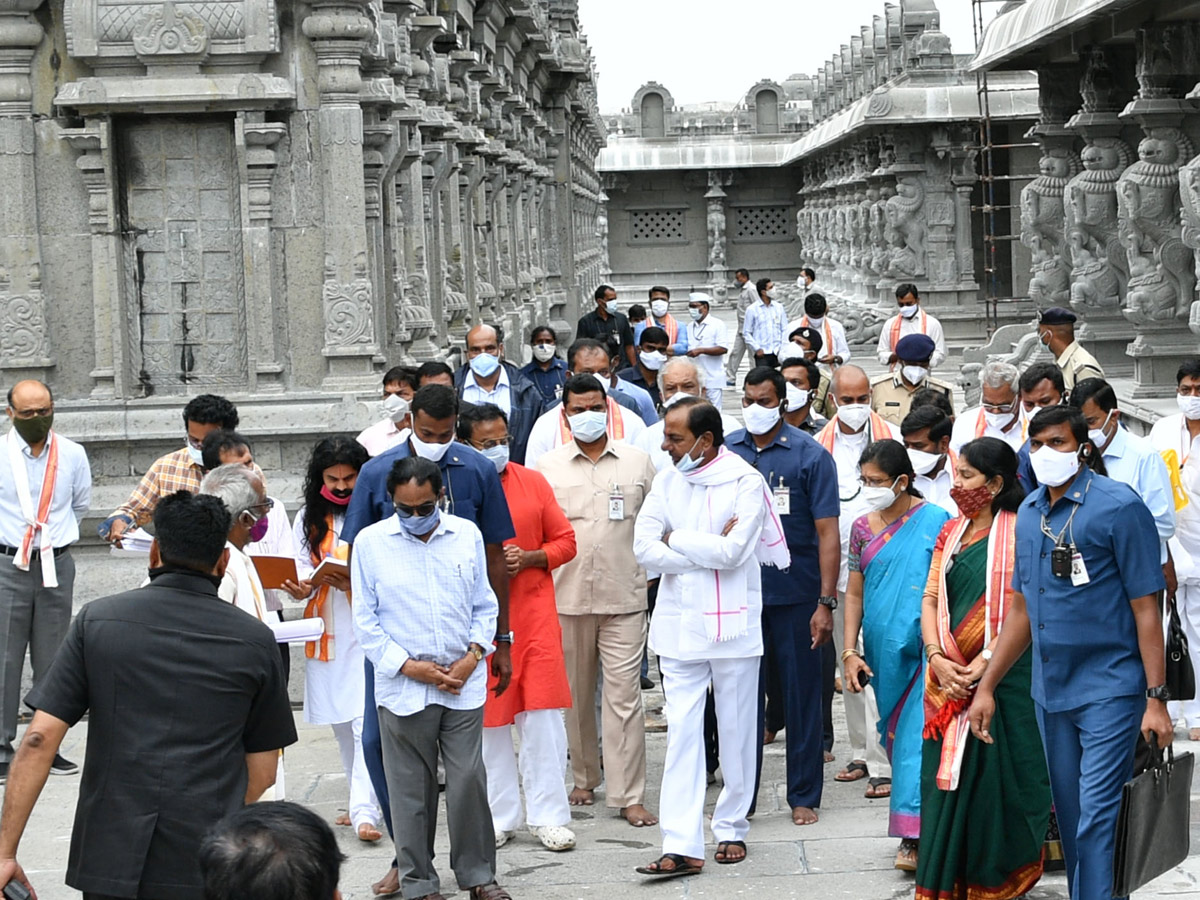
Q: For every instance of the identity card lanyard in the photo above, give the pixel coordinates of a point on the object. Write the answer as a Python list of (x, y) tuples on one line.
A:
[(1065, 559)]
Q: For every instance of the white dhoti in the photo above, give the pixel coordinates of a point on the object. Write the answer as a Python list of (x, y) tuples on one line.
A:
[(1187, 600), (861, 712), (681, 805), (543, 763), (364, 807), (714, 395)]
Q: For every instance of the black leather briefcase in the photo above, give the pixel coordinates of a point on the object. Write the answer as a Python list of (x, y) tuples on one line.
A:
[(1153, 826), (1181, 680)]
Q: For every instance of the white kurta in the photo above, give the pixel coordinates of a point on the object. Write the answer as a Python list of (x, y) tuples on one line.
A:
[(334, 690)]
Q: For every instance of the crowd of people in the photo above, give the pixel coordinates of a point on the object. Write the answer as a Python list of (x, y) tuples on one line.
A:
[(493, 560)]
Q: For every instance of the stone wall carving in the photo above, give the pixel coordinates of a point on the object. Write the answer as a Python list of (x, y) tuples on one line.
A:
[(1099, 266), (1042, 228), (906, 229)]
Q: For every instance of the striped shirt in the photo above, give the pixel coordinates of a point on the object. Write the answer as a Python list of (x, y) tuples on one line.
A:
[(425, 601)]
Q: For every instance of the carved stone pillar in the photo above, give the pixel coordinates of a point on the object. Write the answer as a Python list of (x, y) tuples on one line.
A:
[(95, 164), (718, 269), (255, 139), (414, 310), (339, 30), (449, 203), (1099, 265), (25, 350), (1162, 278)]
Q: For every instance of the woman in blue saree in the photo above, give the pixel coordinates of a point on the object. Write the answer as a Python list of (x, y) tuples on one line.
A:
[(890, 551)]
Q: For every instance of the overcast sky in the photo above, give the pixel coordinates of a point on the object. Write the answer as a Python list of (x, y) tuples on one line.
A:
[(716, 49)]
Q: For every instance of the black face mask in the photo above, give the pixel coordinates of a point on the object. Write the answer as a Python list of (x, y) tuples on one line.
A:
[(35, 430)]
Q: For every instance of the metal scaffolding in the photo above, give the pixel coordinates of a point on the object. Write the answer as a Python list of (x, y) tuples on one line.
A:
[(994, 293)]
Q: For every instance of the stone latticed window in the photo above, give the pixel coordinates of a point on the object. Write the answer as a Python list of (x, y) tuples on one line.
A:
[(657, 226), (762, 223)]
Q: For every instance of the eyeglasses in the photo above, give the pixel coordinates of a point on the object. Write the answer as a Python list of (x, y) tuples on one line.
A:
[(32, 413), (871, 482), (197, 443), (407, 512), (488, 445), (266, 506), (1000, 407)]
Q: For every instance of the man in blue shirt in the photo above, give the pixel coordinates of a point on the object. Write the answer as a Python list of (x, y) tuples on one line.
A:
[(797, 603), (472, 492), (1085, 585), (652, 354)]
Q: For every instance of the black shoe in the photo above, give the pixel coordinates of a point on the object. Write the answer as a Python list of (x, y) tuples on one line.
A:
[(62, 766), (647, 684), (3, 772)]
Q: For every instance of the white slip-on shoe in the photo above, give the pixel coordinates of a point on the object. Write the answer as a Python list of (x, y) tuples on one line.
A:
[(554, 837), (503, 837)]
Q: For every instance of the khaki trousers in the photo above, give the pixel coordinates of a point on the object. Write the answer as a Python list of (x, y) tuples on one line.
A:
[(616, 642)]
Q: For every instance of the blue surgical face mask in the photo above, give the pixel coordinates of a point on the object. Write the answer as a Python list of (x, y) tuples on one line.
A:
[(419, 525), (498, 455), (686, 463), (485, 364)]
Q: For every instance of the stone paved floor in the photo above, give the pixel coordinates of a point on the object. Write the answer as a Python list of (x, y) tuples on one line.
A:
[(847, 854)]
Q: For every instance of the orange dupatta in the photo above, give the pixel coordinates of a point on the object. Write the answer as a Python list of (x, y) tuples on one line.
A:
[(944, 717), (876, 425), (317, 607)]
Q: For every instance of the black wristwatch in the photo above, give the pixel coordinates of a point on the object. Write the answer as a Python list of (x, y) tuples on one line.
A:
[(1158, 693), (506, 638), (830, 602)]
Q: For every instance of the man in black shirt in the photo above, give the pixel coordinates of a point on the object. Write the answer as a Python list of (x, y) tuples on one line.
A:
[(608, 326), (187, 714)]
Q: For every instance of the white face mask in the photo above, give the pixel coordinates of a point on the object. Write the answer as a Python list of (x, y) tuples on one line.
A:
[(760, 419), (1189, 406), (675, 398), (1054, 467), (999, 420), (914, 374), (1099, 436), (877, 498), (588, 425), (923, 462), (909, 311), (796, 398), (394, 407), (610, 307), (770, 292), (543, 352), (790, 350), (696, 314), (659, 308), (815, 322), (431, 452), (653, 360), (854, 415)]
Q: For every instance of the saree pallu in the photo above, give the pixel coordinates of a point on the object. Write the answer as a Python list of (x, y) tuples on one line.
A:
[(895, 566), (983, 841)]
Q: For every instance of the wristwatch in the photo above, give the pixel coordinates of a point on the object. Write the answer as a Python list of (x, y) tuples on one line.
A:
[(477, 652), (1158, 693), (830, 602), (506, 638)]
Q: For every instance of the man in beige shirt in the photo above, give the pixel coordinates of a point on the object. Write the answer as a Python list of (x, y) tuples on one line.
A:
[(600, 485), (1056, 329)]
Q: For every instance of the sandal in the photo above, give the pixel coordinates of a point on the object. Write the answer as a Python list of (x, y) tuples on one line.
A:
[(854, 771), (906, 856), (491, 891), (880, 788), (722, 855), (679, 866)]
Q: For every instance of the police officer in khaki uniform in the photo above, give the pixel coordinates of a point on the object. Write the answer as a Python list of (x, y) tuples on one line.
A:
[(891, 395), (1056, 329)]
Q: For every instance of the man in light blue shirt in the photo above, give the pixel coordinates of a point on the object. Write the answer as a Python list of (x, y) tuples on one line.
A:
[(45, 489), (425, 616), (1127, 457), (766, 326)]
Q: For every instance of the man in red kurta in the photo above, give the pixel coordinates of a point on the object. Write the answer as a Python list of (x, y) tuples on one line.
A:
[(539, 690)]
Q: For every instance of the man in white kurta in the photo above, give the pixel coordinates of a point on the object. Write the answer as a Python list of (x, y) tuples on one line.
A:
[(707, 526)]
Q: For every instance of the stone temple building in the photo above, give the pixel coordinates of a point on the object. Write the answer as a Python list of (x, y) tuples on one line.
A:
[(866, 170), (1114, 215), (276, 201)]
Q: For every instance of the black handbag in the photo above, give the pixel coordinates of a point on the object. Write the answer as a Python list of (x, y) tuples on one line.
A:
[(1181, 680), (1153, 824)]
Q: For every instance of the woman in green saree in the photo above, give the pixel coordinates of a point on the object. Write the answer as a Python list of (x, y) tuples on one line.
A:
[(984, 807)]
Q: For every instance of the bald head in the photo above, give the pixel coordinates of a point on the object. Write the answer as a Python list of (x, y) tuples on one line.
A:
[(850, 381), (483, 339), (29, 394)]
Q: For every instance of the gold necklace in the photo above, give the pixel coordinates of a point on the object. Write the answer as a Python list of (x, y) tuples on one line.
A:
[(886, 523)]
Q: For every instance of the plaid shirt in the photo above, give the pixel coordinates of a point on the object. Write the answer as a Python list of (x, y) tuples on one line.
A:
[(170, 473)]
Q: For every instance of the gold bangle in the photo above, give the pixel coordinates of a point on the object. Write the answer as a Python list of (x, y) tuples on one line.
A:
[(849, 652), (931, 649), (929, 656)]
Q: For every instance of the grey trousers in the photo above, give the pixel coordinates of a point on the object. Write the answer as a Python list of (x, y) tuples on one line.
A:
[(33, 617), (410, 761), (734, 358)]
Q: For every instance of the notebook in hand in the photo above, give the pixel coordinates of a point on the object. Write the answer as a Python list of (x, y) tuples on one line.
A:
[(273, 571)]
